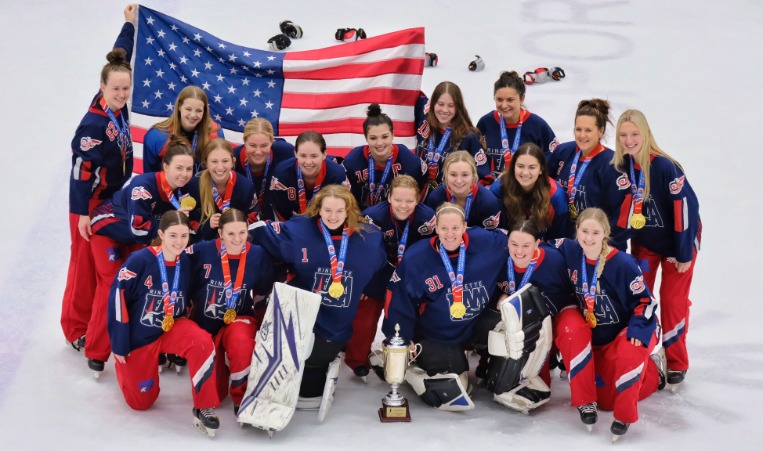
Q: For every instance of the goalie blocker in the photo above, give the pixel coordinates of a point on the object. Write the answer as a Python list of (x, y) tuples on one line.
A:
[(518, 347)]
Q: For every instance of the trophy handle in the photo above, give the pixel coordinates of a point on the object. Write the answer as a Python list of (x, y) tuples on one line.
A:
[(414, 354)]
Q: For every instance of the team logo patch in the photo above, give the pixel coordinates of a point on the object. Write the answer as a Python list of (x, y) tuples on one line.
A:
[(424, 130), (276, 227), (276, 185), (492, 221), (637, 286), (395, 277), (87, 143), (140, 193), (428, 227), (677, 185), (623, 182), (480, 158), (552, 146), (126, 274), (558, 242), (146, 385), (389, 234)]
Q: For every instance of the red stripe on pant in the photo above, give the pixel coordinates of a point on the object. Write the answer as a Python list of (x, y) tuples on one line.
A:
[(615, 360), (139, 376), (77, 303), (674, 301), (364, 329), (108, 256), (236, 342), (572, 336)]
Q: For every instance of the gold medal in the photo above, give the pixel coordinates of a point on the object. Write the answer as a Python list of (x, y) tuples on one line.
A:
[(230, 316), (573, 211), (638, 221), (167, 323), (457, 310), (336, 290), (188, 202), (590, 318)]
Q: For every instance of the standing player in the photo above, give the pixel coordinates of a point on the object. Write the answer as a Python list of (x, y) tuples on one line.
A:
[(449, 128), (219, 188), (226, 273), (333, 252), (526, 191), (371, 168), (621, 325), (510, 125), (102, 162), (403, 221), (258, 157), (191, 119), (147, 316), (296, 180), (436, 295), (664, 227), (583, 168), (460, 187), (127, 222)]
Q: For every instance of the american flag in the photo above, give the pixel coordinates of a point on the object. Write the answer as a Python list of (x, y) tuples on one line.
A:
[(326, 90)]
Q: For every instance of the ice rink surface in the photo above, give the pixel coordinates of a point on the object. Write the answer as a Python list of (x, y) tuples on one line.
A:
[(694, 68)]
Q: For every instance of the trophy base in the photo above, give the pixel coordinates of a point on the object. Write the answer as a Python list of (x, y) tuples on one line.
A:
[(395, 414)]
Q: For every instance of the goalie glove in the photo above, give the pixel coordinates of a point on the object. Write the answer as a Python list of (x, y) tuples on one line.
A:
[(279, 42)]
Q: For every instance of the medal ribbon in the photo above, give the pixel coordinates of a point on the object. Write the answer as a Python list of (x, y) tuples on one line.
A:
[(194, 142), (573, 182), (301, 191), (223, 203), (637, 190), (170, 195), (123, 137), (168, 298), (456, 279), (589, 293), (434, 154), (467, 204), (337, 265), (231, 295), (528, 272), (374, 193), (261, 194), (508, 152), (402, 240)]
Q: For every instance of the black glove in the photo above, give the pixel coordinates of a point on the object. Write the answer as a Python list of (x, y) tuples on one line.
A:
[(279, 42), (291, 29)]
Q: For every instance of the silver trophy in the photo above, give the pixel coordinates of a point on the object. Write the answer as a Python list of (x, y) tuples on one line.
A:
[(396, 357)]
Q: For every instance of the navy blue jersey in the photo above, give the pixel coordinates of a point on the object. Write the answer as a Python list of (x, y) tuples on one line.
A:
[(622, 298), (470, 143), (403, 162), (601, 186), (283, 186), (100, 166), (550, 276), (672, 213), (299, 243), (280, 151), (420, 295), (207, 291), (133, 214), (534, 130), (485, 210), (136, 309), (558, 211), (421, 225), (240, 193), (155, 146)]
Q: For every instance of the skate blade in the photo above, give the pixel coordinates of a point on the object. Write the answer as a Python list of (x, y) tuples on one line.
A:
[(673, 388), (615, 438), (209, 433), (562, 374), (589, 427), (364, 379), (96, 375), (160, 369), (178, 370), (270, 434)]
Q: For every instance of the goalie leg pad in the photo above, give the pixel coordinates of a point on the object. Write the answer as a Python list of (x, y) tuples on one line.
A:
[(528, 395), (528, 329), (442, 391)]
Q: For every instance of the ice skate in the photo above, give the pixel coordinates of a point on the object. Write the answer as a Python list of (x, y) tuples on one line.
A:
[(362, 372), (78, 344), (96, 366), (588, 415), (618, 429), (659, 360), (206, 421), (675, 378)]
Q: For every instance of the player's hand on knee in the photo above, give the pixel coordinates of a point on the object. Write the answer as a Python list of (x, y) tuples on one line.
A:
[(84, 227)]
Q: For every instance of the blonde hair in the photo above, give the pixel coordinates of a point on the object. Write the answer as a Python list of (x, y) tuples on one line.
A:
[(205, 126), (598, 215), (355, 221), (459, 156), (259, 126), (405, 181), (208, 205), (648, 148), (448, 207)]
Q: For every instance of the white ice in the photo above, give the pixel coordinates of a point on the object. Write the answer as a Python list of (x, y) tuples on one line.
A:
[(693, 67)]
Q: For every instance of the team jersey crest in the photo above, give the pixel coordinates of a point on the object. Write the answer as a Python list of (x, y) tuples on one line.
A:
[(276, 185), (623, 182), (125, 274), (140, 193), (677, 184), (637, 286), (87, 143), (428, 227)]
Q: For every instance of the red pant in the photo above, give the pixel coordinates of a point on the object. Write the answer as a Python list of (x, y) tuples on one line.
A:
[(364, 329), (109, 257), (234, 344), (572, 336), (624, 375), (77, 303), (139, 377), (674, 304)]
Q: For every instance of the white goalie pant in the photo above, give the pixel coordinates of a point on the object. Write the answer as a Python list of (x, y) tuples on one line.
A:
[(518, 346)]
